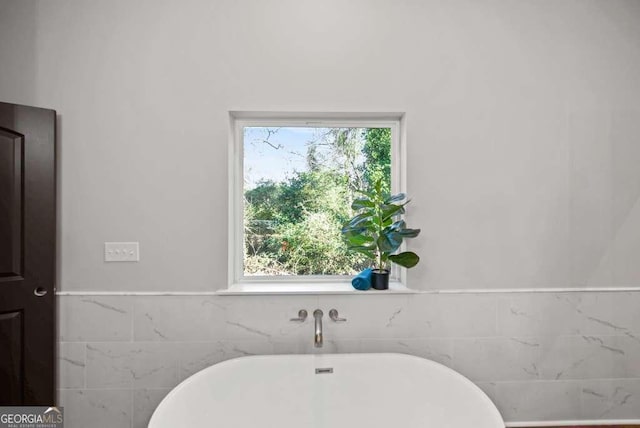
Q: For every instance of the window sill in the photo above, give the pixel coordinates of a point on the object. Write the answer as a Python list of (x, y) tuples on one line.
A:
[(308, 288)]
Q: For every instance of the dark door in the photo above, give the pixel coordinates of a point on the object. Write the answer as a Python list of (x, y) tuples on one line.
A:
[(27, 255)]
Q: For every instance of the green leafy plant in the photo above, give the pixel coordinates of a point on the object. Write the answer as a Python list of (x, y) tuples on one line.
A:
[(377, 230)]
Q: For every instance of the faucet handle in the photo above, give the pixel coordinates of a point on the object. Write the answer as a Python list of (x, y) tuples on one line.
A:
[(302, 315), (333, 314)]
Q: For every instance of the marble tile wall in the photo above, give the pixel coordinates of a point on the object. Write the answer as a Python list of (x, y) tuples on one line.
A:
[(539, 356)]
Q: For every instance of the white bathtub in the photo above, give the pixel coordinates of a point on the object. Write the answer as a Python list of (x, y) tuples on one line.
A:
[(327, 391)]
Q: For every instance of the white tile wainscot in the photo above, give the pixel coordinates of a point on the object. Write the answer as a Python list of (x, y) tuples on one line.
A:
[(541, 356)]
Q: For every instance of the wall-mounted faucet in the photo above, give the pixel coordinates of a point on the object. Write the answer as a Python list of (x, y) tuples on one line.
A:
[(317, 338), (333, 314), (302, 315)]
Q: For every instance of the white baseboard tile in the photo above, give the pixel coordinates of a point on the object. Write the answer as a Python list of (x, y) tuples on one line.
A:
[(613, 422)]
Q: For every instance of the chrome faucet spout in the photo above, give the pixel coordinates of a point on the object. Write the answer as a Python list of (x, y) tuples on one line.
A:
[(317, 341)]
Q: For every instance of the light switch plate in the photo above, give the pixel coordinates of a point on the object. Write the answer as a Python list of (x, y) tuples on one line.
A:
[(121, 252)]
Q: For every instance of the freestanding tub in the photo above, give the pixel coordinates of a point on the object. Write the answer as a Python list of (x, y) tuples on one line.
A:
[(327, 391)]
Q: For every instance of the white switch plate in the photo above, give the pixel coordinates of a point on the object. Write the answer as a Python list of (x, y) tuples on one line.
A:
[(121, 252)]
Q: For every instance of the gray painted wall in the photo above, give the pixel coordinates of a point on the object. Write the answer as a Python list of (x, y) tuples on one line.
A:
[(18, 50), (522, 126), (522, 139)]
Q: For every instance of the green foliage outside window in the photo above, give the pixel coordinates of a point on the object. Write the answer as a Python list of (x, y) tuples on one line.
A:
[(292, 225)]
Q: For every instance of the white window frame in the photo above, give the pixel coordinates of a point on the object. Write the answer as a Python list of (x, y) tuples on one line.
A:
[(297, 284)]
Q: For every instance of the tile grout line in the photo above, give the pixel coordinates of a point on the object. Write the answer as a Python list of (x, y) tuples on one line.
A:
[(132, 341), (86, 362)]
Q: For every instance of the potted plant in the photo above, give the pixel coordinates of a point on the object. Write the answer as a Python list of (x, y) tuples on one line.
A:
[(377, 231)]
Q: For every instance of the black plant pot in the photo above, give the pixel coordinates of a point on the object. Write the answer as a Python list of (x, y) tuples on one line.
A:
[(380, 279)]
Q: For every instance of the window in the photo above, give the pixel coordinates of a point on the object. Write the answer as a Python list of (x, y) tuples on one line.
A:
[(293, 182)]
